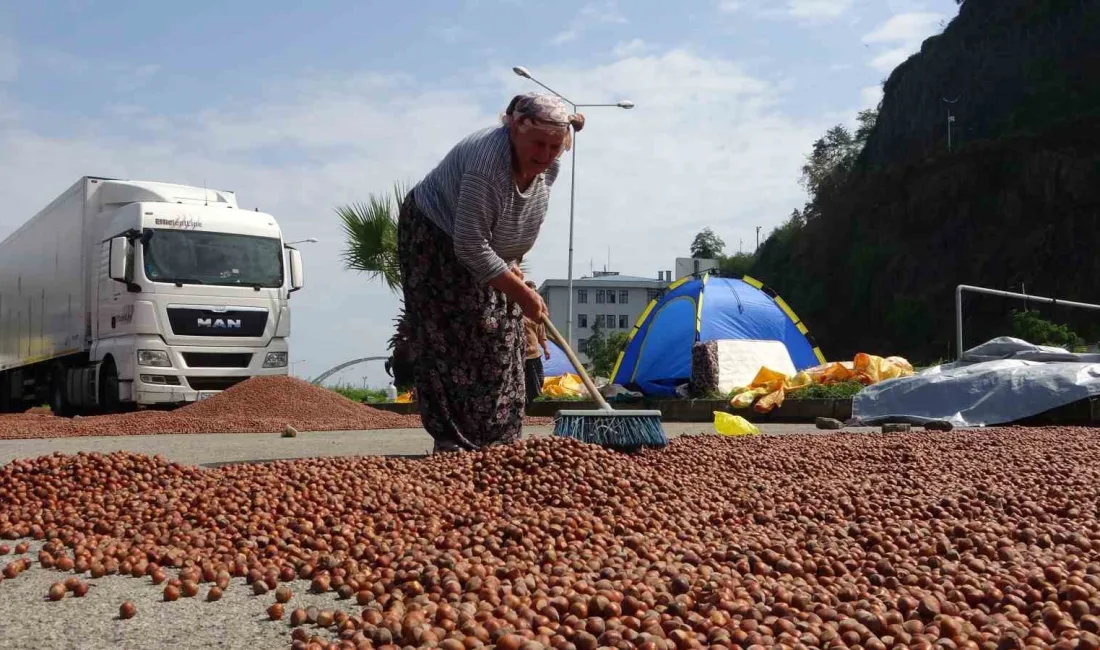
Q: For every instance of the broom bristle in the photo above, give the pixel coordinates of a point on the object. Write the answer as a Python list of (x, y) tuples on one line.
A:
[(613, 430)]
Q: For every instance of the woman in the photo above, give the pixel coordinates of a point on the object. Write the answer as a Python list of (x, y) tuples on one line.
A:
[(461, 234)]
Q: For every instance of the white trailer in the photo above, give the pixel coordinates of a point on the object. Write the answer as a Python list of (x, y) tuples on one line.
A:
[(131, 293)]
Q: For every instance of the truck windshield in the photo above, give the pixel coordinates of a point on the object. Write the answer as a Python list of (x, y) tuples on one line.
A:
[(195, 257)]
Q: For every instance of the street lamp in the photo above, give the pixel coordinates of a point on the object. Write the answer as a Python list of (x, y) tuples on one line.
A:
[(311, 240), (627, 104)]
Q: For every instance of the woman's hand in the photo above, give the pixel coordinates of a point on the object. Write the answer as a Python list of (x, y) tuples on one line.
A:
[(529, 300), (532, 304)]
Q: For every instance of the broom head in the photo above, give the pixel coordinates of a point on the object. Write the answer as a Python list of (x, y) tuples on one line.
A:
[(619, 430)]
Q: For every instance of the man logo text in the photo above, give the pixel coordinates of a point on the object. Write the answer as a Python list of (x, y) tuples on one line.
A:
[(223, 323)]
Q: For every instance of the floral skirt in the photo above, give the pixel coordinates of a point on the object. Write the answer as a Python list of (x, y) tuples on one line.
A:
[(467, 339)]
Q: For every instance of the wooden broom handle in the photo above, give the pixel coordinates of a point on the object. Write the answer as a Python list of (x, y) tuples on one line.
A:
[(554, 334)]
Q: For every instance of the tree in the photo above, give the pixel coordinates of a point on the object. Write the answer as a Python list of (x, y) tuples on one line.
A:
[(707, 245), (834, 156), (603, 350), (736, 265)]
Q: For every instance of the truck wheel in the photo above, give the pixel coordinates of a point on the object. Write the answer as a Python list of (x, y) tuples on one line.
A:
[(59, 399), (108, 396)]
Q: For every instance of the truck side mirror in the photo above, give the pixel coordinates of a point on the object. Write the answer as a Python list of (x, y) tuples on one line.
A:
[(296, 279), (120, 255)]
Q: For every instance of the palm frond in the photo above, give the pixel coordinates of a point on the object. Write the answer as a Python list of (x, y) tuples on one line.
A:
[(370, 231)]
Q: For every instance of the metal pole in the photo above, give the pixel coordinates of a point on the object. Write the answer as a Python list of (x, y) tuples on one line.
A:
[(1005, 294), (949, 129), (958, 322), (572, 202)]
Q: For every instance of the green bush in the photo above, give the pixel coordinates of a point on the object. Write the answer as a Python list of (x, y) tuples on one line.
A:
[(357, 394), (1033, 328), (840, 390)]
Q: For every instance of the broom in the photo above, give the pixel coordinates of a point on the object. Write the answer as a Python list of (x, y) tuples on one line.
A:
[(624, 430)]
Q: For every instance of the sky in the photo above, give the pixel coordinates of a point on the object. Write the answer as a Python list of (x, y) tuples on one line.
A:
[(301, 107)]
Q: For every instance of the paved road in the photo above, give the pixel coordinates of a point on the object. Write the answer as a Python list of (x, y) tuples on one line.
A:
[(220, 448)]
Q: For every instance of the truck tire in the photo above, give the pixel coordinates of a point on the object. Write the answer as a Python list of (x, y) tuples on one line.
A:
[(59, 397), (108, 382)]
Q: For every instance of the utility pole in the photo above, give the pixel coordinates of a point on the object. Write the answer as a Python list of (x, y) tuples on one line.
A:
[(950, 120), (757, 238)]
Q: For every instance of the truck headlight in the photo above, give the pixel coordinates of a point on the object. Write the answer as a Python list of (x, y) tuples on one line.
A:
[(155, 358), (275, 360)]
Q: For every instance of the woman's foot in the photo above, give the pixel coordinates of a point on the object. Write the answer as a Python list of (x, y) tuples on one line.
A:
[(442, 447)]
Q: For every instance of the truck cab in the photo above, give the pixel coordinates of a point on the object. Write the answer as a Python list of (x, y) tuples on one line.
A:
[(190, 299)]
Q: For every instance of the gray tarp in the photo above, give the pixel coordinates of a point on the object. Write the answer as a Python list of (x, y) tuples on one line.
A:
[(1000, 381)]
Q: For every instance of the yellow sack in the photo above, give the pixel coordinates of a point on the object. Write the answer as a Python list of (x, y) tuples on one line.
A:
[(567, 385), (728, 424), (404, 398)]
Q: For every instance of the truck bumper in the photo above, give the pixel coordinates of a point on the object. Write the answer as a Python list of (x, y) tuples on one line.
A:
[(198, 372)]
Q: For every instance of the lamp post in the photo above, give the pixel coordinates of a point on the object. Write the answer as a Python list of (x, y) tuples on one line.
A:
[(627, 104), (311, 240)]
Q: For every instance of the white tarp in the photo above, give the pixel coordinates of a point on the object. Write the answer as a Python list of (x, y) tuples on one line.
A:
[(1001, 381)]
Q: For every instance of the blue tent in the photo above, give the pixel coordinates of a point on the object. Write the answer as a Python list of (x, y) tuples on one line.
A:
[(558, 363), (698, 309)]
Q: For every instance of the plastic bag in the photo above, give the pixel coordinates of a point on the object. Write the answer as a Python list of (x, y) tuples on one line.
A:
[(728, 424), (567, 385)]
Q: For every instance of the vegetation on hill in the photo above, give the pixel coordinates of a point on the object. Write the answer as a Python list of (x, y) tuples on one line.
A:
[(896, 220)]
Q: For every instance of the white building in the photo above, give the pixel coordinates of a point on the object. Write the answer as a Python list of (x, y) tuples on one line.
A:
[(615, 301)]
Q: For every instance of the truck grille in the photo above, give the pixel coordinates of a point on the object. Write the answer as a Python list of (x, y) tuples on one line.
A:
[(217, 359), (196, 321), (214, 383)]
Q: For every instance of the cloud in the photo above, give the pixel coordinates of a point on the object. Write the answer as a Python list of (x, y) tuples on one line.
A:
[(804, 11), (818, 9), (603, 12), (900, 36), (706, 146), (634, 47)]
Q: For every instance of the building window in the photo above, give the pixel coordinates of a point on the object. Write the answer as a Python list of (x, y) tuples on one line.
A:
[(624, 296), (582, 296), (600, 322), (652, 294), (623, 322), (611, 296), (582, 320), (611, 321), (600, 298), (581, 343)]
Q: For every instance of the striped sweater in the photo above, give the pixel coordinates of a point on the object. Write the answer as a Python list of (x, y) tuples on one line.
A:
[(472, 196)]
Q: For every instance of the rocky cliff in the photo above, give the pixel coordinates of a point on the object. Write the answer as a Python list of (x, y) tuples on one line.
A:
[(1015, 202)]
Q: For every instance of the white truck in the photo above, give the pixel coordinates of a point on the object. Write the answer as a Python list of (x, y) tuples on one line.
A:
[(123, 294)]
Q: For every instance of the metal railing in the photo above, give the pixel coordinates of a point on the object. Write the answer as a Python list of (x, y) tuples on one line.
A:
[(1004, 294)]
